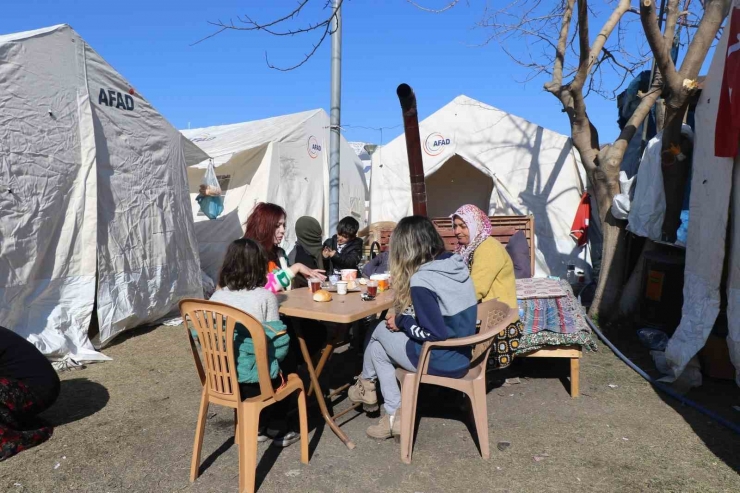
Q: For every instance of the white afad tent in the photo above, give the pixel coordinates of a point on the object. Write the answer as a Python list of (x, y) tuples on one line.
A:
[(476, 154), (94, 203), (283, 160), (714, 209)]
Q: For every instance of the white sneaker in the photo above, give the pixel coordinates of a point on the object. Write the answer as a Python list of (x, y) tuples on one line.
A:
[(286, 440), (262, 436)]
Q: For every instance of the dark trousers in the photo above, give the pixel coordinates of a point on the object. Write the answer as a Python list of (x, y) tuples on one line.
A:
[(274, 418)]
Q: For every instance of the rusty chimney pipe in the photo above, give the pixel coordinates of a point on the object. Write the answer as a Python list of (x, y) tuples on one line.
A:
[(407, 99)]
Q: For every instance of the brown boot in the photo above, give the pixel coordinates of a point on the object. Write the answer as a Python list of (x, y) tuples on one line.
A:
[(364, 391), (388, 426)]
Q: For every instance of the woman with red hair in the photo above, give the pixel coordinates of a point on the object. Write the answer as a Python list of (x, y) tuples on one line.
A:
[(266, 226)]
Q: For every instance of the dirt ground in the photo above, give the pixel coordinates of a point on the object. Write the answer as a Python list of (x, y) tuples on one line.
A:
[(127, 426)]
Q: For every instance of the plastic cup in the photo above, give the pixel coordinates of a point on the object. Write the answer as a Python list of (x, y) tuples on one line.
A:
[(372, 288), (342, 287), (314, 284), (348, 274)]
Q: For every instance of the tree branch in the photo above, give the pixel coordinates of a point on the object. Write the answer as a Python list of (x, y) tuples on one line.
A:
[(307, 56), (557, 72), (639, 115), (672, 14), (434, 11), (584, 43), (324, 26), (714, 14), (592, 55), (661, 50)]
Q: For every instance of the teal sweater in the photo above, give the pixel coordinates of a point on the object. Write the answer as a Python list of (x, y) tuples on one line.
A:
[(246, 363)]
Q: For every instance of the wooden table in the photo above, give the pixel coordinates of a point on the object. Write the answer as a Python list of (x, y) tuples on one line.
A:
[(344, 309)]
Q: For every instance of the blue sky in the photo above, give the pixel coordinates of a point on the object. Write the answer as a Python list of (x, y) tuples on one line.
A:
[(225, 79)]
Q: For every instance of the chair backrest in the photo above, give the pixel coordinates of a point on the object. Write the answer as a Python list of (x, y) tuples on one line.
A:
[(215, 324), (377, 232), (494, 317), (504, 227)]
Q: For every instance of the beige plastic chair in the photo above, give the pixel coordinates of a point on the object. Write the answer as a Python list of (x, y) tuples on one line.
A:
[(214, 324), (494, 317)]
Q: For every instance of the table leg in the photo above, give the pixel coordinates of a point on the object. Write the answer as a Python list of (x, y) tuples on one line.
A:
[(325, 355), (314, 376)]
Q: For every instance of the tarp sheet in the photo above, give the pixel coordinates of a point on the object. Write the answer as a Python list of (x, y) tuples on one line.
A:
[(92, 184), (715, 199)]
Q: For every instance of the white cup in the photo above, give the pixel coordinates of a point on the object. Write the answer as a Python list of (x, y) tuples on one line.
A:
[(342, 287)]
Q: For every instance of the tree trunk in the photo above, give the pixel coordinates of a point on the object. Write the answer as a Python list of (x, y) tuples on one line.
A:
[(675, 172), (609, 287), (629, 303)]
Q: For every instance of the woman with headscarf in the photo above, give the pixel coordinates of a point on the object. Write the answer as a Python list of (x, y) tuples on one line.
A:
[(492, 272), (490, 265), (308, 248)]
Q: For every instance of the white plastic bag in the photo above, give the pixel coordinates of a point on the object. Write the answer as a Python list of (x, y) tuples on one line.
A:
[(209, 186), (621, 201), (209, 197)]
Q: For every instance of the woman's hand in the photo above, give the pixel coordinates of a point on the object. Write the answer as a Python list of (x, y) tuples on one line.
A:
[(306, 272), (328, 252), (390, 322)]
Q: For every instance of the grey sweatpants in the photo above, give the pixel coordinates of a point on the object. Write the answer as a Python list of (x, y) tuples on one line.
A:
[(384, 353)]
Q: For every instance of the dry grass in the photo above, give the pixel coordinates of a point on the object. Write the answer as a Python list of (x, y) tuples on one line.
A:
[(127, 426)]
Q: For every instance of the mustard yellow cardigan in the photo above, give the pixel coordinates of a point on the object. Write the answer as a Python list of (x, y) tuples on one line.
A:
[(493, 273)]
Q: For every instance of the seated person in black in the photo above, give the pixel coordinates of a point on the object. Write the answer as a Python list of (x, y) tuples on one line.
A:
[(307, 249), (378, 265), (344, 249), (28, 386)]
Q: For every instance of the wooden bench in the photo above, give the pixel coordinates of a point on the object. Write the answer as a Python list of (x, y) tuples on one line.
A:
[(504, 227)]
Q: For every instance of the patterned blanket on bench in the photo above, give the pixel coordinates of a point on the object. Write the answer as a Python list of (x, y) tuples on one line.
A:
[(554, 322)]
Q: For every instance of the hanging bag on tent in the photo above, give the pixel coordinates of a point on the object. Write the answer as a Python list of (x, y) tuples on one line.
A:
[(209, 197)]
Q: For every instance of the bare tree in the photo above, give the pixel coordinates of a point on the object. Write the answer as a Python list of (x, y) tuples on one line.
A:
[(287, 26), (556, 42)]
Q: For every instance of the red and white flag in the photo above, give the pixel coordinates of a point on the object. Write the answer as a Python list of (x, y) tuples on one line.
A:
[(727, 131)]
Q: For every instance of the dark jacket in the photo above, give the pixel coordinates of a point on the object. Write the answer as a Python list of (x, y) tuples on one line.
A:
[(20, 360), (299, 255), (348, 259), (378, 265)]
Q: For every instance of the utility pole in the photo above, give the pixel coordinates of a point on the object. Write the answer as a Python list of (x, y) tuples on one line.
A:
[(335, 115)]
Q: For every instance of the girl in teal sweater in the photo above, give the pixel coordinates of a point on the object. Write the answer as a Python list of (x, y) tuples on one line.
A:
[(242, 280)]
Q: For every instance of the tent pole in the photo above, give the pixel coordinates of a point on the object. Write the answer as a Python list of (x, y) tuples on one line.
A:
[(335, 112)]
